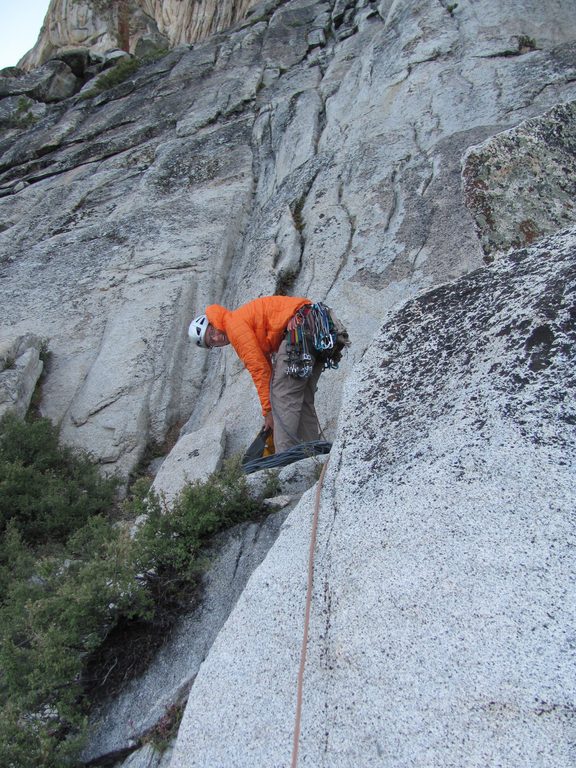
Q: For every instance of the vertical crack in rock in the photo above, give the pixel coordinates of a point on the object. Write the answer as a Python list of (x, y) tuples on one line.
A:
[(321, 121), (324, 565), (332, 496), (348, 248), (296, 208), (261, 140), (415, 261), (393, 210)]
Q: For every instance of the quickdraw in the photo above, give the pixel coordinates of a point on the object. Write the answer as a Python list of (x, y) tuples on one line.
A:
[(310, 328)]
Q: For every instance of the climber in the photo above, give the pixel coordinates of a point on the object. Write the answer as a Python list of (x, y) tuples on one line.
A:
[(285, 343)]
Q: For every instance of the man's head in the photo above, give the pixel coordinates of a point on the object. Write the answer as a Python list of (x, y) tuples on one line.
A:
[(205, 334)]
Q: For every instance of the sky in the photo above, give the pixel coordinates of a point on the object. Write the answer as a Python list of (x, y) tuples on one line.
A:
[(20, 22)]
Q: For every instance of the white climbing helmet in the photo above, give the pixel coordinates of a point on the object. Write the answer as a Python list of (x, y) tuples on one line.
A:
[(197, 330)]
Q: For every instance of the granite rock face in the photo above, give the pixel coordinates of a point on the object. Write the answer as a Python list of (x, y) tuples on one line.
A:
[(372, 155), (443, 603), (137, 26), (316, 149)]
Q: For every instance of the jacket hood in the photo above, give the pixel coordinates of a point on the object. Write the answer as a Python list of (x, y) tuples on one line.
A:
[(216, 316)]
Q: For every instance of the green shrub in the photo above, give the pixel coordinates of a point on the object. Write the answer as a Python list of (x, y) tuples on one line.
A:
[(22, 117), (526, 43), (47, 489), (55, 611), (114, 76), (124, 69), (166, 729), (273, 486), (170, 540), (69, 576), (35, 742)]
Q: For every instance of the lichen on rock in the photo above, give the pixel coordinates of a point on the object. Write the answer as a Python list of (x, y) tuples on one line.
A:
[(521, 184)]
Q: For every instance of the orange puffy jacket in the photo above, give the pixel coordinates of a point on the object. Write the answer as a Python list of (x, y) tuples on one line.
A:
[(255, 330)]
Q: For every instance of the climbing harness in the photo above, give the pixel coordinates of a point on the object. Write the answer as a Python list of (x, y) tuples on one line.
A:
[(300, 685), (299, 362), (314, 332)]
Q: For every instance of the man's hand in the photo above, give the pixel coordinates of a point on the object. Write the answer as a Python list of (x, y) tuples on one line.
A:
[(269, 421)]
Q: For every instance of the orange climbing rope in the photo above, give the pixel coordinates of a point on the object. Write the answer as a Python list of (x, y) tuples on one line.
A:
[(298, 717)]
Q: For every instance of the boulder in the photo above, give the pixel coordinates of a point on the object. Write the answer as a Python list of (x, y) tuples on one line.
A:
[(115, 56), (521, 184), (51, 82), (78, 59), (195, 456), (151, 47), (20, 369)]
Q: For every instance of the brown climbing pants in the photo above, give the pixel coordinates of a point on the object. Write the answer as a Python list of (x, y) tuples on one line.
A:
[(292, 399)]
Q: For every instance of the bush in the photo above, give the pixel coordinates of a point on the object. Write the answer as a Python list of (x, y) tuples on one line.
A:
[(69, 576), (117, 74), (169, 542), (45, 488), (56, 610)]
